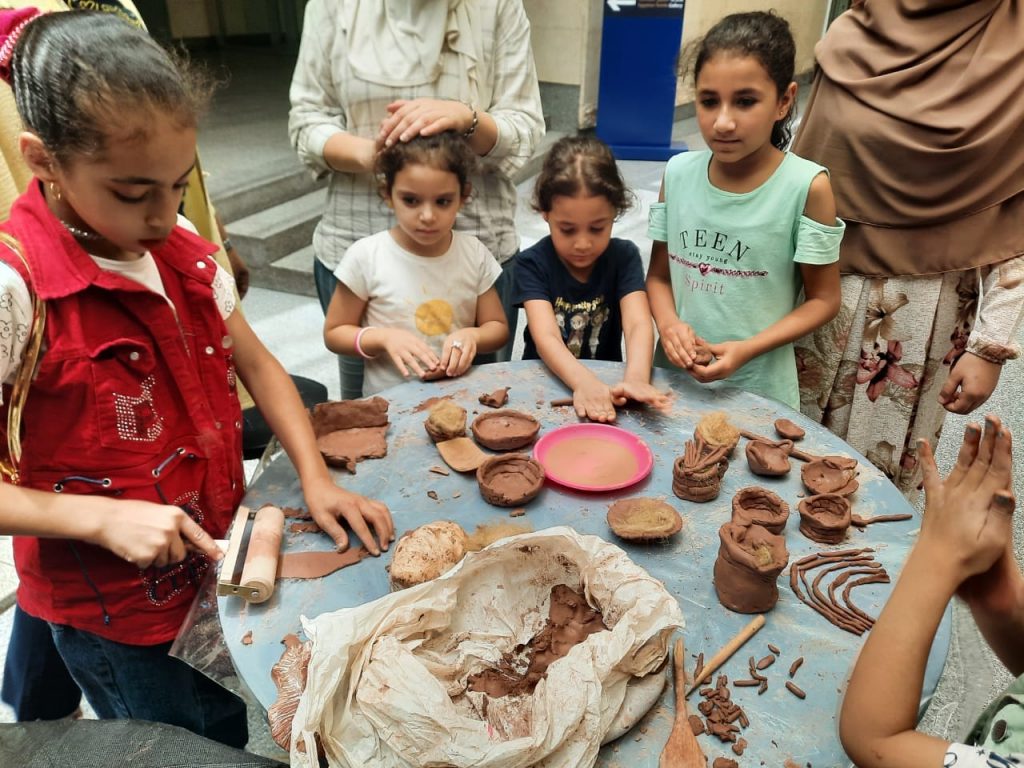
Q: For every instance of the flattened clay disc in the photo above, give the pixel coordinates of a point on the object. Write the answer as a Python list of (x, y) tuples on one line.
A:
[(461, 454), (643, 519), (344, 447), (505, 430), (831, 474), (788, 430), (510, 480)]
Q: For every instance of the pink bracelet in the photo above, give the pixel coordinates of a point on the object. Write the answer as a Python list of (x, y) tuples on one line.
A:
[(359, 348)]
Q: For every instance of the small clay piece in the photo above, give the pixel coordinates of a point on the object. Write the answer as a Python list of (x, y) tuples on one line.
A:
[(505, 430), (795, 690), (696, 725), (746, 683), (724, 762), (571, 620), (289, 676), (787, 430), (247, 638), (643, 519), (560, 402), (699, 667), (759, 506), (715, 429), (702, 352), (830, 474), (316, 565), (446, 421), (774, 649), (510, 480), (863, 522), (343, 448), (739, 747), (495, 399), (825, 518), (349, 414), (768, 459), (295, 513), (765, 662), (426, 552), (517, 512), (697, 474), (750, 559), (439, 471), (461, 454), (304, 528), (795, 666), (432, 494)]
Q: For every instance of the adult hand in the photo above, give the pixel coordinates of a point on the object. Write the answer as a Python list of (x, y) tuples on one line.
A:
[(970, 383), (327, 503), (408, 118), (593, 400), (459, 351), (408, 352), (239, 269), (680, 344), (147, 534), (968, 517), (728, 357), (641, 392)]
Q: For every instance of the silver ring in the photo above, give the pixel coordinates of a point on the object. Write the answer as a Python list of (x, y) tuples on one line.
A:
[(457, 344)]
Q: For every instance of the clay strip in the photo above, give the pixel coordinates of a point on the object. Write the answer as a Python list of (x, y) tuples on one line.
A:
[(847, 617), (795, 690), (795, 666), (774, 649), (878, 578), (869, 568), (798, 574), (863, 522)]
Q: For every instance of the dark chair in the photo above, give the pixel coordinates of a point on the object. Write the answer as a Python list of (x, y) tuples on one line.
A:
[(256, 433)]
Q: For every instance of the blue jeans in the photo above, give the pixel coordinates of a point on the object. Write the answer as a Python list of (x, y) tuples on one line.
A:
[(142, 682), (37, 684), (351, 368)]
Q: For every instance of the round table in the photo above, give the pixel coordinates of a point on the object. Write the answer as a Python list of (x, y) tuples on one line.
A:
[(781, 726)]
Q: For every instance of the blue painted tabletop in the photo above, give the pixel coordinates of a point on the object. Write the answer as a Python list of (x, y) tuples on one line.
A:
[(781, 726)]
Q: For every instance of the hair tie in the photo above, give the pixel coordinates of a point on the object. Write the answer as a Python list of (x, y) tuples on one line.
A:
[(11, 25)]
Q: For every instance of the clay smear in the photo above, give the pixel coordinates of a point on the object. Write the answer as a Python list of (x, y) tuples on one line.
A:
[(316, 565), (570, 621), (787, 430), (289, 676), (591, 461)]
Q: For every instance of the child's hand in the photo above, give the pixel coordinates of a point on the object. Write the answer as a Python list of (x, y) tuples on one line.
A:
[(459, 351), (148, 534), (593, 400), (729, 357), (327, 502), (680, 344), (641, 392), (969, 384), (409, 352), (968, 517)]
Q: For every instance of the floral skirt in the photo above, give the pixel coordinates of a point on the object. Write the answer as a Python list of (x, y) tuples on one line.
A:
[(872, 376)]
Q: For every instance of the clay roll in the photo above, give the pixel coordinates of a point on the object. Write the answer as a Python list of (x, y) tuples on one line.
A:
[(825, 518), (755, 505), (750, 559)]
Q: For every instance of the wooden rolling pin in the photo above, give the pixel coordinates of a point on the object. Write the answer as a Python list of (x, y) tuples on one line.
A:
[(728, 650), (254, 580)]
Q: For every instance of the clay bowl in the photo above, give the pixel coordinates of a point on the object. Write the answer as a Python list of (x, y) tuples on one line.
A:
[(509, 480), (769, 459), (759, 506), (787, 430), (825, 518), (643, 519), (723, 437), (831, 474), (505, 430)]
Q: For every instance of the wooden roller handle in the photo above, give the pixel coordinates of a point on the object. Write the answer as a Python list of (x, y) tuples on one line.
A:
[(260, 569), (728, 650)]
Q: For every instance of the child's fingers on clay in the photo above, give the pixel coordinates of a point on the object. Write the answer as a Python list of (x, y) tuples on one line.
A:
[(333, 529), (380, 520), (362, 530)]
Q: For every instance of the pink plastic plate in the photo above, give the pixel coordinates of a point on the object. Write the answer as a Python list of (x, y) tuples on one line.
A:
[(593, 457)]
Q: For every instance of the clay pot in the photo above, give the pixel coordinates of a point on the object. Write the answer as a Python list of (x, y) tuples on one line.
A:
[(447, 420), (759, 506), (697, 474), (831, 474), (643, 519), (509, 480), (505, 430), (787, 430), (769, 459), (825, 518), (715, 430), (750, 559)]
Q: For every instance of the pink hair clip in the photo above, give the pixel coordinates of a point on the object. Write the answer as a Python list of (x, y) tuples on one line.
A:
[(12, 22)]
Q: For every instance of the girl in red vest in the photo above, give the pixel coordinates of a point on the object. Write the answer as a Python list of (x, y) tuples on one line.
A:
[(130, 460)]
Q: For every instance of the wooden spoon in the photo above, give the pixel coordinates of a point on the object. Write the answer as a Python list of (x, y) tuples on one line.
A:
[(681, 749)]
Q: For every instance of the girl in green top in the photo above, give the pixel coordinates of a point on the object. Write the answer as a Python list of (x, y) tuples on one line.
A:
[(742, 227)]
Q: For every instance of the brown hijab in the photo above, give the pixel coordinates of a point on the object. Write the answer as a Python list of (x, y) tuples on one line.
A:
[(918, 113)]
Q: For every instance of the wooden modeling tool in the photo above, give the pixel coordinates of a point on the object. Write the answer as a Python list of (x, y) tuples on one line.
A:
[(249, 568), (681, 749), (728, 650)]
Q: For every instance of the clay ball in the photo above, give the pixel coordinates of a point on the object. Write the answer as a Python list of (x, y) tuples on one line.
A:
[(447, 420), (505, 430), (643, 519), (509, 480), (426, 553)]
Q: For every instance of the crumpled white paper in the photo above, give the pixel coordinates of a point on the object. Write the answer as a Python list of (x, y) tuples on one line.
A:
[(386, 680)]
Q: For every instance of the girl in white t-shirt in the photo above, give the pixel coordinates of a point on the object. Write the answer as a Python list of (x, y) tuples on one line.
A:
[(418, 298)]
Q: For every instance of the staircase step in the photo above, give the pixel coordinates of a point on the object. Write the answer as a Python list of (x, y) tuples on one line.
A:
[(291, 274), (279, 182), (264, 237)]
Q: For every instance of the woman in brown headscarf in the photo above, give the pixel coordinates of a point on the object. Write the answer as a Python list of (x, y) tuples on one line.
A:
[(917, 113)]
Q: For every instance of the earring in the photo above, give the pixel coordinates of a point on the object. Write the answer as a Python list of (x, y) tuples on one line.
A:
[(54, 190)]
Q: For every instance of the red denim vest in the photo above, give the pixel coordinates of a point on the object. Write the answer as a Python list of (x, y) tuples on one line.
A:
[(129, 401)]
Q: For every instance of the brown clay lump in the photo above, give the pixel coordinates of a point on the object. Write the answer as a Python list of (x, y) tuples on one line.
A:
[(759, 506), (787, 430), (495, 399), (716, 430), (830, 474), (510, 480), (643, 519), (825, 518), (570, 621), (505, 430), (750, 559), (768, 459), (446, 421), (351, 430), (426, 552)]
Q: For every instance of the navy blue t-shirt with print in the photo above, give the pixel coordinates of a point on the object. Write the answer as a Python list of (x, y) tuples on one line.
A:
[(588, 314)]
